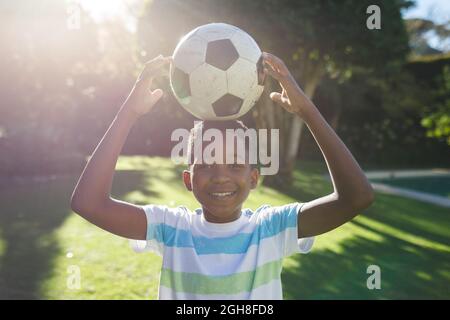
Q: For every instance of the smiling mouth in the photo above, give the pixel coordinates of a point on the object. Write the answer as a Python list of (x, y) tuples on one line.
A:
[(222, 195)]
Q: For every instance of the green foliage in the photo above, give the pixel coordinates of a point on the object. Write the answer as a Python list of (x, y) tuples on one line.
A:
[(61, 88), (438, 122), (316, 39), (379, 118), (332, 34)]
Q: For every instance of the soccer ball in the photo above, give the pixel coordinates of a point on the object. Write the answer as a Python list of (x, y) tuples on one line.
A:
[(216, 72)]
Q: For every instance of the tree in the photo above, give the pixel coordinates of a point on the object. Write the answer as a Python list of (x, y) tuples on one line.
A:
[(60, 87), (419, 31), (438, 122), (436, 117), (316, 39)]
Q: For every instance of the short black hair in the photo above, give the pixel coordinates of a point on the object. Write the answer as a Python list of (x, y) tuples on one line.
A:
[(201, 126)]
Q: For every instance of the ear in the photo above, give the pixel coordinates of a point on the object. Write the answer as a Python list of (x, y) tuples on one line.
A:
[(254, 177), (187, 179)]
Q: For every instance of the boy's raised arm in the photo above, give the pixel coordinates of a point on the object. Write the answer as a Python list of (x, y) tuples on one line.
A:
[(91, 198), (352, 191)]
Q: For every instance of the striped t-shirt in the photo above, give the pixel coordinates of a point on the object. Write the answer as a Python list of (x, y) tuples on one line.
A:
[(241, 259)]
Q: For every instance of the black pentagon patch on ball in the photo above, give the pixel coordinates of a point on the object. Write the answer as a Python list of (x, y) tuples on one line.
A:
[(221, 54), (180, 83), (228, 105), (260, 69)]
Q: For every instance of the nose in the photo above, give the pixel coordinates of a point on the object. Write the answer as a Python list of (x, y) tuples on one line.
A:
[(220, 173)]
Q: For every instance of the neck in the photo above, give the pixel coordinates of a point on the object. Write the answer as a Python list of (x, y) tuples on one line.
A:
[(222, 218)]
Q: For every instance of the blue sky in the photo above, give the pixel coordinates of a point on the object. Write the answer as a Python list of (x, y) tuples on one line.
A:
[(436, 10)]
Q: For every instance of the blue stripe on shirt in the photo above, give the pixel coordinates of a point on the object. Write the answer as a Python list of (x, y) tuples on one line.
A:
[(239, 243)]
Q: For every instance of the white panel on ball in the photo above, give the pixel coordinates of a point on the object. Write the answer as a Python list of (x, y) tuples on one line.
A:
[(215, 31), (201, 113), (246, 46), (191, 54), (252, 98), (208, 82), (241, 76)]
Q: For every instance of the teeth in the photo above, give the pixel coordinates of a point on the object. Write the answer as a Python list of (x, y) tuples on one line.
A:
[(222, 194)]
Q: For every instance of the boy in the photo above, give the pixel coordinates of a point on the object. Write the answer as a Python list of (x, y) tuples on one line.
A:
[(222, 251)]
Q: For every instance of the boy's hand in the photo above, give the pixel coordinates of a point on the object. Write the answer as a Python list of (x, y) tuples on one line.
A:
[(292, 97), (141, 98)]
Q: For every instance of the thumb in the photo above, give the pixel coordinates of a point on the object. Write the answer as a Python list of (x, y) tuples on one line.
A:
[(276, 97), (156, 95), (152, 97)]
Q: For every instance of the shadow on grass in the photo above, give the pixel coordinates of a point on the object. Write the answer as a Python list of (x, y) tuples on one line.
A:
[(29, 215), (126, 181), (414, 217), (415, 273), (408, 271)]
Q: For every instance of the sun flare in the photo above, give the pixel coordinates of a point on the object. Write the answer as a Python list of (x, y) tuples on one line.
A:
[(101, 9)]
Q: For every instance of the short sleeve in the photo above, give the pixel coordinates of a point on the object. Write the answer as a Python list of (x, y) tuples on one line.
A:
[(283, 223), (156, 216)]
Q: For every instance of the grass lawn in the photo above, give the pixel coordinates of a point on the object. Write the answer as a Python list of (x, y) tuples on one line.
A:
[(409, 240)]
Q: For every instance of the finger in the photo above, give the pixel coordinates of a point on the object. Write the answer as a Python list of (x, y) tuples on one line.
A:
[(154, 67), (278, 98), (268, 64), (157, 94), (276, 72), (157, 63), (272, 73), (275, 96), (281, 80), (284, 81), (273, 60), (277, 64), (158, 57), (154, 97), (146, 76), (159, 60)]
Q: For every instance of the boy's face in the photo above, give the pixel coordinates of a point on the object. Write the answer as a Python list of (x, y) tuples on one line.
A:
[(221, 188)]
